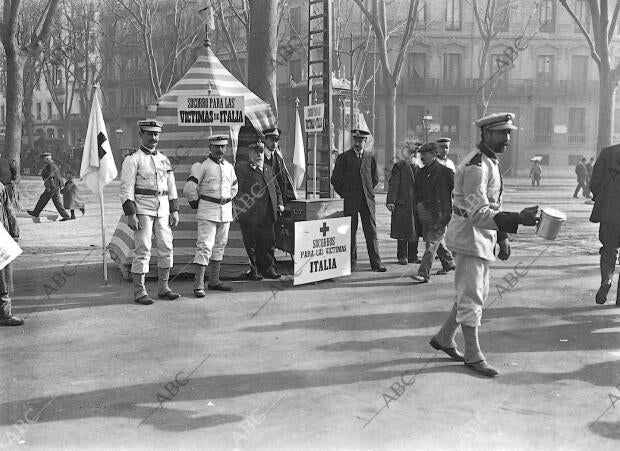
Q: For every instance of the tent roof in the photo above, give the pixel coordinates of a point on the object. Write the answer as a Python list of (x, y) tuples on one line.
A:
[(208, 73)]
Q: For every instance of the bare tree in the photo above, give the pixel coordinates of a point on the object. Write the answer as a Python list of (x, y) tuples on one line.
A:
[(17, 50), (599, 40), (164, 32), (377, 18)]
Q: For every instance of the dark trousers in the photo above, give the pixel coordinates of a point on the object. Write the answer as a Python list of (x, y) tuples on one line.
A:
[(370, 233), (581, 185), (45, 198), (407, 250), (5, 289), (260, 243), (434, 237), (609, 236)]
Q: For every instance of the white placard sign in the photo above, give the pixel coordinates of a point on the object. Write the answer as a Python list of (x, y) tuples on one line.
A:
[(213, 111), (313, 117), (322, 249), (9, 250)]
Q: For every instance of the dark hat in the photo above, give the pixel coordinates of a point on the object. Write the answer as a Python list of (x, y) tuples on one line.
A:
[(150, 125), (275, 132), (45, 154), (357, 133), (429, 148), (496, 121), (257, 146), (218, 140), (443, 140)]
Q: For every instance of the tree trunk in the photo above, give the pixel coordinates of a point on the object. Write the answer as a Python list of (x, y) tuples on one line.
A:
[(262, 48), (14, 95), (390, 128), (606, 106)]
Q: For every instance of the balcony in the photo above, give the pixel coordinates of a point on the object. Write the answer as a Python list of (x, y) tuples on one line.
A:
[(575, 139), (541, 139)]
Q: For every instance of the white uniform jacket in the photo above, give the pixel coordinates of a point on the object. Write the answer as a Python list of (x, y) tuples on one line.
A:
[(476, 218), (147, 184), (215, 180)]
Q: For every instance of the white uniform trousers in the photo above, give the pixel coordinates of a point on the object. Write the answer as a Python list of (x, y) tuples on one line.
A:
[(142, 240), (471, 279), (211, 241)]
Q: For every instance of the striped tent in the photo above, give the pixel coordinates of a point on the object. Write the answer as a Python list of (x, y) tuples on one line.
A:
[(186, 145)]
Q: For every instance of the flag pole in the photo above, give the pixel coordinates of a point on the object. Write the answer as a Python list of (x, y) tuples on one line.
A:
[(102, 213)]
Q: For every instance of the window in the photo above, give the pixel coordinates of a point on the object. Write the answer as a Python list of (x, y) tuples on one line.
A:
[(454, 15), (576, 126), (582, 11), (2, 114), (49, 110), (574, 159), (294, 67), (295, 22), (546, 16), (450, 122), (543, 125), (50, 133), (421, 17), (494, 67), (580, 67), (545, 68), (501, 19), (452, 66), (39, 111), (416, 66), (415, 128)]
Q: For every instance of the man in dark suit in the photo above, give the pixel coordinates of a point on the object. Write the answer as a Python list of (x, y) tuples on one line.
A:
[(273, 158), (433, 196), (354, 179), (256, 207), (582, 174), (605, 188), (52, 182), (400, 202)]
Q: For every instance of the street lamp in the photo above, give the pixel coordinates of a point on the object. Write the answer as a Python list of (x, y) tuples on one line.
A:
[(427, 119)]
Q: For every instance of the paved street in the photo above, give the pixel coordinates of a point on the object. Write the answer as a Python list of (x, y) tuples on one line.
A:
[(342, 364)]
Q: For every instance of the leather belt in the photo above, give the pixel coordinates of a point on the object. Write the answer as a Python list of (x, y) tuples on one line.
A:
[(459, 211), (215, 200), (150, 192)]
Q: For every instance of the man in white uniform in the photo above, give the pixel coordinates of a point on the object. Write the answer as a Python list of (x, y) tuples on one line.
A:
[(210, 188), (442, 154), (477, 224), (149, 198)]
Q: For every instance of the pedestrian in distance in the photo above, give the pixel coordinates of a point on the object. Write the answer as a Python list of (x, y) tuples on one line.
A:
[(258, 205), (210, 189), (582, 174), (476, 226), (605, 187), (354, 179), (71, 196), (149, 197), (536, 173), (589, 168), (433, 197), (442, 153), (52, 182), (400, 202), (8, 220)]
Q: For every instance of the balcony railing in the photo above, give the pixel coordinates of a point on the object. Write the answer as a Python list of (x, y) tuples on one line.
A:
[(577, 139), (542, 139)]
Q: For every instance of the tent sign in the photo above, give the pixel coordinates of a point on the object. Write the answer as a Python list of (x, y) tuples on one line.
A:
[(313, 117), (213, 111), (322, 249)]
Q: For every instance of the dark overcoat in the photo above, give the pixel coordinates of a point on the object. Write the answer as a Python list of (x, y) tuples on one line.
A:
[(438, 180), (355, 180), (282, 176), (250, 180), (605, 186), (400, 193), (71, 196)]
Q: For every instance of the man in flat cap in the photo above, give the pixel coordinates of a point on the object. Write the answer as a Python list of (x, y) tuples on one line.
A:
[(52, 182), (149, 197), (433, 197), (476, 226), (257, 206), (210, 188), (354, 179), (442, 153), (273, 158), (605, 188)]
